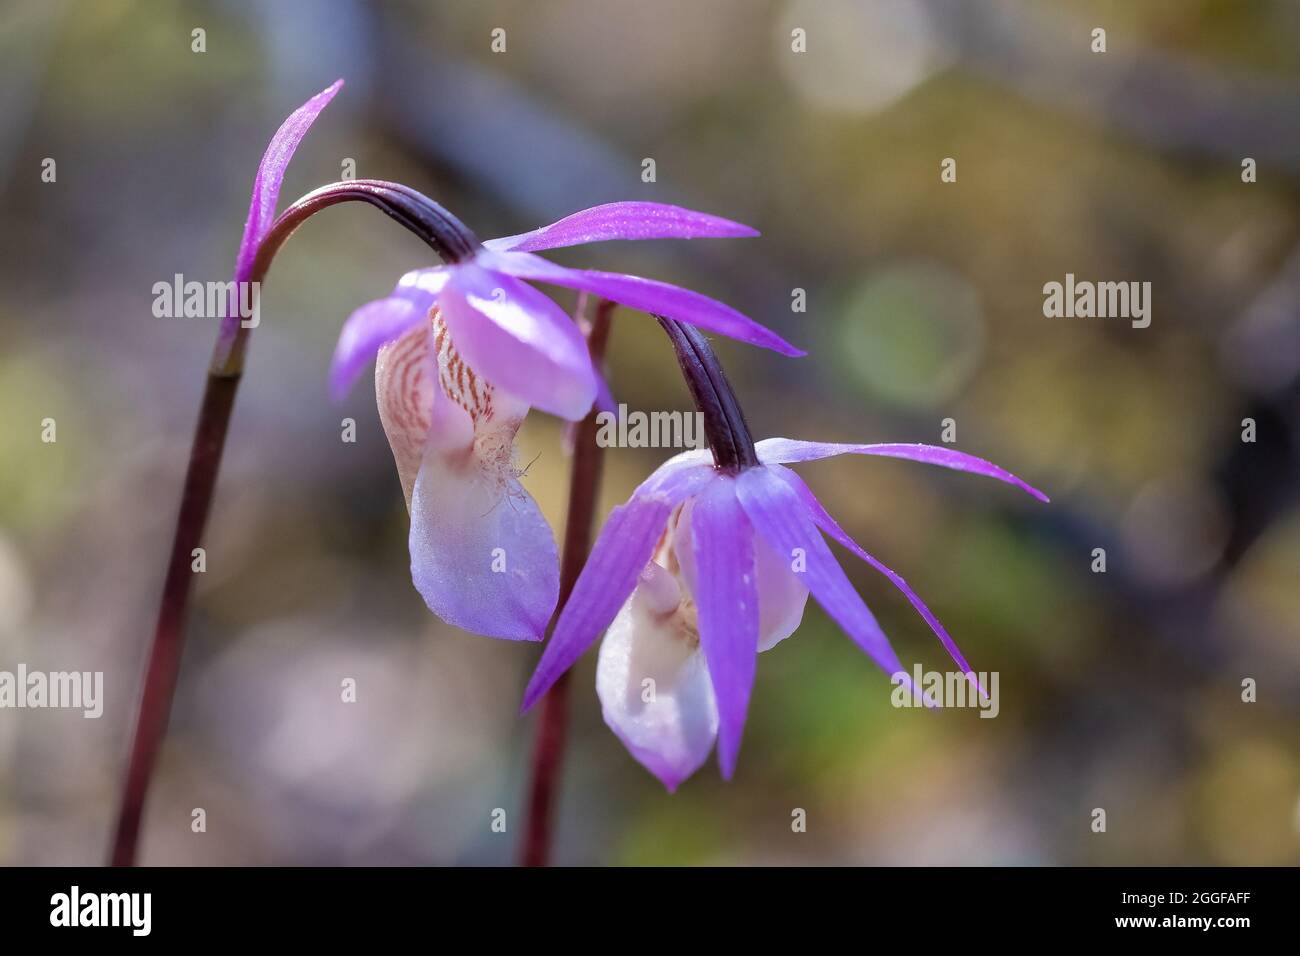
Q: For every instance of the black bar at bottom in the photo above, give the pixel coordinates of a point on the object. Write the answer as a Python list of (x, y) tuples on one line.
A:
[(331, 906)]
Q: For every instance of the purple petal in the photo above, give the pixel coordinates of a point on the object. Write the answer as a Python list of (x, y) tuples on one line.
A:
[(625, 544), (604, 396), (827, 523), (685, 474), (377, 323), (422, 287), (622, 550), (782, 451), (647, 295), (482, 556), (781, 518), (519, 340), (365, 332), (623, 220), (270, 175), (726, 595), (604, 403), (781, 592), (261, 212)]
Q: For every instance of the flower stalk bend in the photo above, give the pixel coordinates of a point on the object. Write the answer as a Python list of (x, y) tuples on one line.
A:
[(437, 228)]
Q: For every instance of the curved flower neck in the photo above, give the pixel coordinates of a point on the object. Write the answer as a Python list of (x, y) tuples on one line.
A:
[(450, 238), (447, 235), (724, 422)]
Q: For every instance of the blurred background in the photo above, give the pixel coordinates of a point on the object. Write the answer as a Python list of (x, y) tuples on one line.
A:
[(1119, 690)]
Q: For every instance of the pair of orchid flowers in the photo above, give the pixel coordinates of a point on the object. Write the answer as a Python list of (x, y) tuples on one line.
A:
[(709, 562)]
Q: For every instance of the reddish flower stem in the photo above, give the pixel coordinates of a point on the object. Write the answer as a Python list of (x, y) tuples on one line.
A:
[(447, 237), (584, 484), (165, 657)]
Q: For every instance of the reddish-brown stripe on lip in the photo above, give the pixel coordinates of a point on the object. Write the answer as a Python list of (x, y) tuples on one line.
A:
[(404, 396), (406, 391), (459, 382), (406, 367)]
